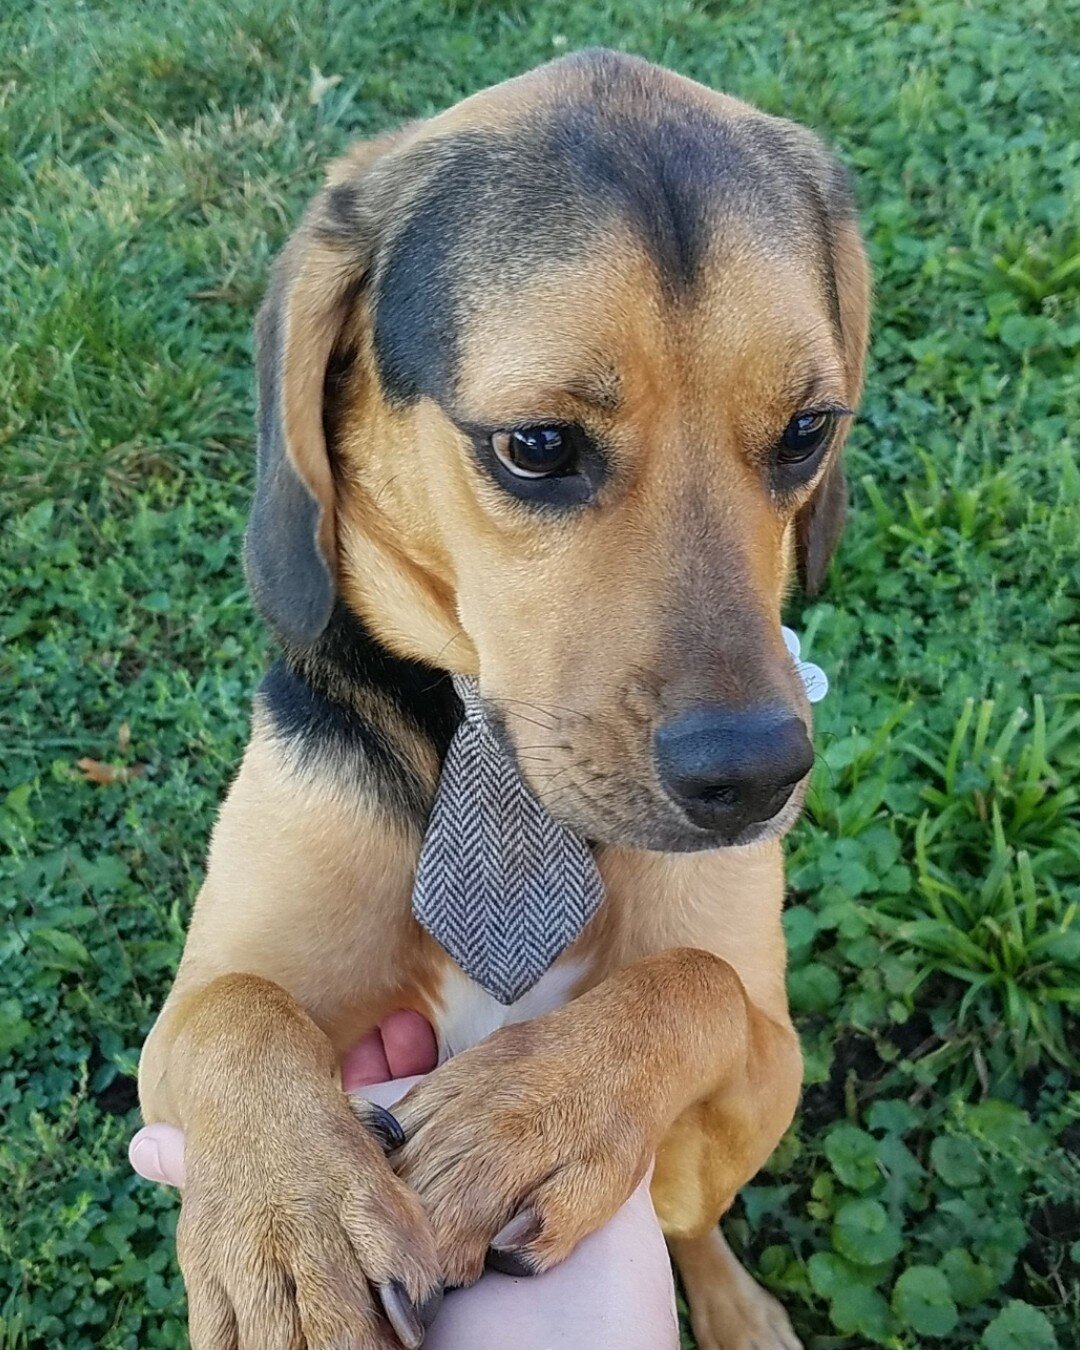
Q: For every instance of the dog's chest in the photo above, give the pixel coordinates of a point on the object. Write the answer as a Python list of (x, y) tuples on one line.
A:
[(469, 1013)]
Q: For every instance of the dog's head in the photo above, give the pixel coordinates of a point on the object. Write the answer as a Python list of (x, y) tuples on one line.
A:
[(552, 390)]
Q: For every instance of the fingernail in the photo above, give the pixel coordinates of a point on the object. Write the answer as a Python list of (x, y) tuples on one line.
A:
[(505, 1254), (402, 1315), (387, 1129), (145, 1157)]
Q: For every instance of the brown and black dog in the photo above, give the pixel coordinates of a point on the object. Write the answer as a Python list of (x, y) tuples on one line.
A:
[(552, 391)]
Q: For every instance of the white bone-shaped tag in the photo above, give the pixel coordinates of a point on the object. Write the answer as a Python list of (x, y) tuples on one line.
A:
[(815, 681)]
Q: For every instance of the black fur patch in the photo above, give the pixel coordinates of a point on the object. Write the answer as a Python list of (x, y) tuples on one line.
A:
[(319, 702), (289, 579), (498, 206), (342, 212)]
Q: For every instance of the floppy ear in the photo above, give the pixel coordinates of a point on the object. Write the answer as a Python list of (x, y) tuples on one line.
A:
[(820, 523), (818, 528), (291, 545)]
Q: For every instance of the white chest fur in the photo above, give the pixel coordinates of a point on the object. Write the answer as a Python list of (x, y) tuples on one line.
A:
[(469, 1013)]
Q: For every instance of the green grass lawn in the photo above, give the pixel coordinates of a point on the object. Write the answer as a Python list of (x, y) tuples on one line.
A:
[(152, 158)]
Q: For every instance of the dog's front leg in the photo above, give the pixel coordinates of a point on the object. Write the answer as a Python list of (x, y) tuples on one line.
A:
[(294, 1231), (523, 1145), (291, 1218)]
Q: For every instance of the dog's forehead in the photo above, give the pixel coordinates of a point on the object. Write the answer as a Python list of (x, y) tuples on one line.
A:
[(605, 154)]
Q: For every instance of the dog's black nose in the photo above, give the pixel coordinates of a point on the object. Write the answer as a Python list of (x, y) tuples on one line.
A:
[(728, 769)]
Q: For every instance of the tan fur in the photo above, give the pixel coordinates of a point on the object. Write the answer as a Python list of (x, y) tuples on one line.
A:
[(727, 1307), (679, 1042)]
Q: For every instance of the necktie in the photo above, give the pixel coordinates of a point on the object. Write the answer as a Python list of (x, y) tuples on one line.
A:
[(501, 885)]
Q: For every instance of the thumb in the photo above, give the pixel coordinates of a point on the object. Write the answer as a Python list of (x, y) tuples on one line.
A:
[(157, 1153)]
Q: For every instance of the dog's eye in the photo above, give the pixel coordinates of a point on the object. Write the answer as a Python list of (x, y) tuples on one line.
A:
[(805, 435), (537, 452), (548, 465)]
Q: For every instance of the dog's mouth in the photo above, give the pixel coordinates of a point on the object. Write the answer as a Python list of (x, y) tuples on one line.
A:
[(664, 829)]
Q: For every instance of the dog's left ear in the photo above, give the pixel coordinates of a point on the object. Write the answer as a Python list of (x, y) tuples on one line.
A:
[(291, 547), (820, 523), (818, 528)]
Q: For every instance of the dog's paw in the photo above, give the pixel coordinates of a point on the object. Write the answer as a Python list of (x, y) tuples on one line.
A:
[(518, 1149), (298, 1234), (729, 1310), (751, 1320)]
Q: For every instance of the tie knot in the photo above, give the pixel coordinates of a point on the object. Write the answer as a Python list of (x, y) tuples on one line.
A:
[(468, 690)]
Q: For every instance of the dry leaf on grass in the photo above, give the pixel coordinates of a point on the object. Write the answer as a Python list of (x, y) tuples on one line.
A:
[(96, 771)]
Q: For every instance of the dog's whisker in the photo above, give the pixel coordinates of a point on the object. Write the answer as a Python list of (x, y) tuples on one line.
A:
[(554, 775), (549, 726), (392, 479), (549, 707), (438, 657)]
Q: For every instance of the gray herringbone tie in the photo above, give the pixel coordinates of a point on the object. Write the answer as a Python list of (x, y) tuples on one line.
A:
[(501, 885)]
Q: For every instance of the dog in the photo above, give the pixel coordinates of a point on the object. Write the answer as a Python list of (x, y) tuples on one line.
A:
[(552, 392)]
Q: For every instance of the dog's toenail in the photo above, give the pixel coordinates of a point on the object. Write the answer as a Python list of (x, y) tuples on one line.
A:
[(431, 1305), (505, 1254), (402, 1314), (387, 1129), (522, 1228), (507, 1261)]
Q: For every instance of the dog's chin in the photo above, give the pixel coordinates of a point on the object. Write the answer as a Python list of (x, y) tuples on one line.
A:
[(667, 830)]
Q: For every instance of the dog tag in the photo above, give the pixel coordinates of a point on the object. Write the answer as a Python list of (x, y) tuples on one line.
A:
[(815, 681)]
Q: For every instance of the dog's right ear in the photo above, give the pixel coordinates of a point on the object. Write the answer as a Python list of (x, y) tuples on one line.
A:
[(291, 549), (820, 523)]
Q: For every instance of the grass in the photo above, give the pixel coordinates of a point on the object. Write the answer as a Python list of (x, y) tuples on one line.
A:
[(151, 161)]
